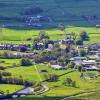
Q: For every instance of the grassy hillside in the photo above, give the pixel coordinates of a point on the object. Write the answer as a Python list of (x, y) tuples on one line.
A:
[(69, 12)]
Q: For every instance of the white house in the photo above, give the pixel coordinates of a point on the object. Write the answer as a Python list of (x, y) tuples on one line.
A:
[(58, 67)]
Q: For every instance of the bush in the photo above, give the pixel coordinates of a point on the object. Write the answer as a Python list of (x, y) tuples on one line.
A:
[(6, 74), (84, 36), (26, 62), (2, 68), (53, 78), (73, 84)]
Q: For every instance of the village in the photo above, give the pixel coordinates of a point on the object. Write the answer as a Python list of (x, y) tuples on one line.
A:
[(86, 55), (50, 59), (49, 50)]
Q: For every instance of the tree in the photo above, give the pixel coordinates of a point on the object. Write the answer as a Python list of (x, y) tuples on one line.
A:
[(79, 42), (82, 52), (74, 84), (84, 35), (43, 35), (7, 91), (80, 68), (0, 77), (6, 54), (26, 62), (71, 64), (68, 81), (52, 78), (81, 75), (61, 27), (60, 61), (23, 48), (46, 77)]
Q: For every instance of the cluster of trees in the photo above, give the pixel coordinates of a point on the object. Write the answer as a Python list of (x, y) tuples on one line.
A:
[(84, 36), (25, 62), (9, 55), (69, 82), (43, 35), (82, 52), (71, 64), (58, 54), (14, 80), (51, 78), (5, 74), (23, 49)]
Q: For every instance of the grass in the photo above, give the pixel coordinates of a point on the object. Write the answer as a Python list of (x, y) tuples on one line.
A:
[(88, 96), (19, 36), (37, 98), (58, 89), (9, 62), (33, 72), (10, 88)]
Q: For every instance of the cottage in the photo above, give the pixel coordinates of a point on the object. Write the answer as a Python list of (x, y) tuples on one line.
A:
[(58, 67), (12, 46), (83, 46), (98, 55), (49, 45), (93, 52), (98, 65), (88, 63), (92, 68), (53, 62), (39, 46), (68, 41), (78, 60)]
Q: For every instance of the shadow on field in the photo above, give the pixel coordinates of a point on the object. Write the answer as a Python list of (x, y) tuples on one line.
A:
[(43, 98)]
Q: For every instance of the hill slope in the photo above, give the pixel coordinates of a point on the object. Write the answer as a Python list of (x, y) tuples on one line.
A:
[(70, 12)]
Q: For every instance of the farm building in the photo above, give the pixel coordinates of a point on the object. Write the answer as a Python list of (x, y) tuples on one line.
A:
[(58, 67)]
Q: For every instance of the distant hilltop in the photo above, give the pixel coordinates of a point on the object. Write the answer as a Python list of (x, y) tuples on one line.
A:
[(40, 14)]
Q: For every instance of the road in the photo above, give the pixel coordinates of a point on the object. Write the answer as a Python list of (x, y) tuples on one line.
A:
[(27, 91)]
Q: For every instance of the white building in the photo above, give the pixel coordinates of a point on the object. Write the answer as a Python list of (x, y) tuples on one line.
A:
[(58, 67)]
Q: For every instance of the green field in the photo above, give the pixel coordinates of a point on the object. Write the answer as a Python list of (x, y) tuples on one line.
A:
[(19, 36), (56, 88), (91, 96), (9, 62), (11, 88), (81, 85), (33, 72), (14, 30), (87, 96)]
